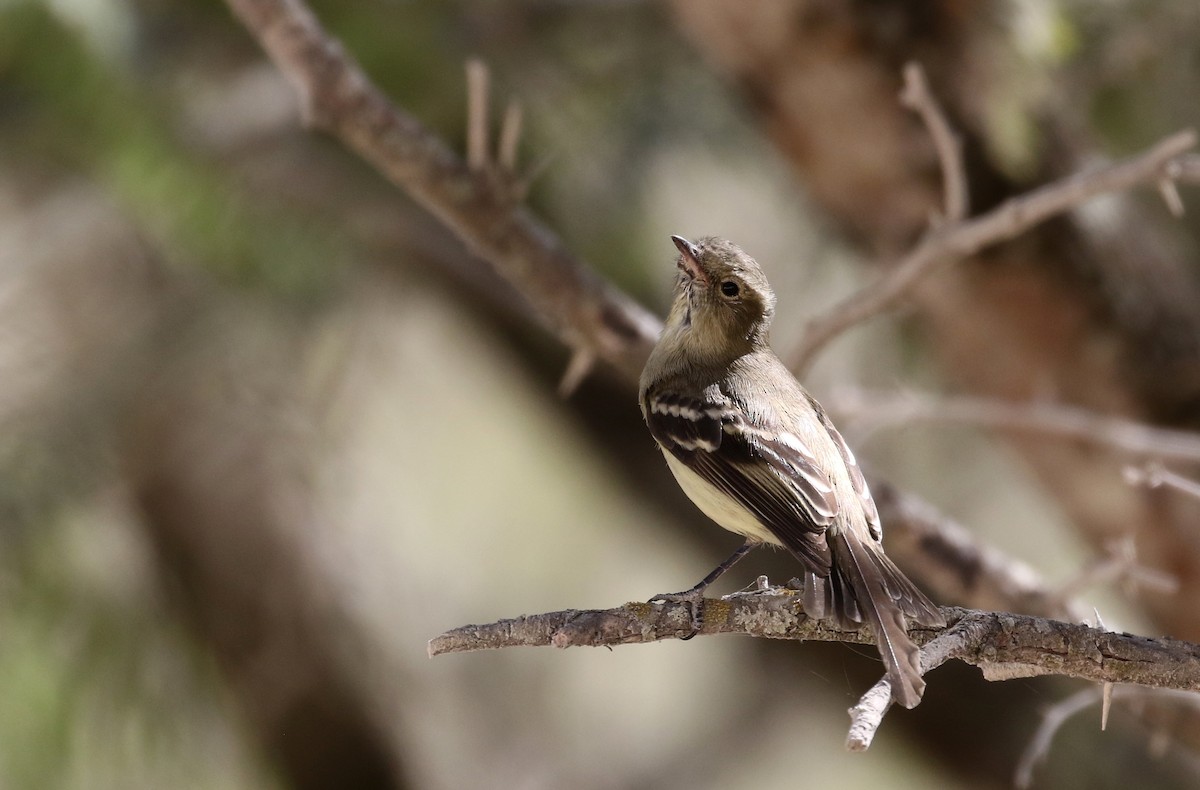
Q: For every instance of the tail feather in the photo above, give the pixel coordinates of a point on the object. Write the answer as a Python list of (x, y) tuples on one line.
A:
[(912, 602), (864, 585)]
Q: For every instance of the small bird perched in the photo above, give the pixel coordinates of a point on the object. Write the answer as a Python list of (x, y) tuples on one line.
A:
[(758, 455)]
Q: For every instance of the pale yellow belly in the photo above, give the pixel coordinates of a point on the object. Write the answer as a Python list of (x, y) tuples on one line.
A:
[(720, 508)]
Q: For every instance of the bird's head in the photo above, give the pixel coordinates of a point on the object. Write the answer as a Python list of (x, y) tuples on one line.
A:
[(722, 297)]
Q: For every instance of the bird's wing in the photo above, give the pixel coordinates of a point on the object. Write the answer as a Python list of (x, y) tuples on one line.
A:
[(856, 476), (770, 473), (899, 588)]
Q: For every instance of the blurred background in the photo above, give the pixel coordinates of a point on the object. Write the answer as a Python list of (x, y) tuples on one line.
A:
[(266, 427)]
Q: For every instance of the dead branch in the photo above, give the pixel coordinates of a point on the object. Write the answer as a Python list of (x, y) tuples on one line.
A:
[(955, 241), (867, 715), (337, 97), (1004, 646)]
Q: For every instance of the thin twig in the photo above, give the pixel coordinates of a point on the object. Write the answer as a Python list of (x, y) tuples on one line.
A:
[(1052, 721), (1119, 564), (478, 123), (1058, 714), (917, 97), (578, 368), (1170, 195), (953, 242), (867, 715), (878, 408), (1154, 474), (510, 138)]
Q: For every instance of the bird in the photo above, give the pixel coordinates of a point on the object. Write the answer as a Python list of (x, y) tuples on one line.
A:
[(757, 454)]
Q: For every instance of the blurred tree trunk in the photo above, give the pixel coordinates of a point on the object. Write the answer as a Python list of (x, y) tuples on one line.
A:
[(1094, 315), (222, 472)]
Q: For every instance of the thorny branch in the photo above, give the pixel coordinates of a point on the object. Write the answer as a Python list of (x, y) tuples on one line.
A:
[(1057, 715), (1004, 646)]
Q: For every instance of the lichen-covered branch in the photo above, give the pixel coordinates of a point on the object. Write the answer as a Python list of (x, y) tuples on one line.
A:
[(1004, 646)]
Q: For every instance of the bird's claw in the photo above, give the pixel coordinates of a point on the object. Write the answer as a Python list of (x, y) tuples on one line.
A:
[(694, 598)]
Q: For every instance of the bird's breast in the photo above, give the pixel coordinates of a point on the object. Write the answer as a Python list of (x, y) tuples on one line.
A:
[(715, 504)]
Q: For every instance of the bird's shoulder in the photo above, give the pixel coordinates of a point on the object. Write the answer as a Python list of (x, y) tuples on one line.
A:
[(754, 397), (757, 414), (725, 431)]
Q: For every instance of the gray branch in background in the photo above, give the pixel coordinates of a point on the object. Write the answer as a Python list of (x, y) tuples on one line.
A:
[(874, 409), (956, 566), (582, 308), (955, 241)]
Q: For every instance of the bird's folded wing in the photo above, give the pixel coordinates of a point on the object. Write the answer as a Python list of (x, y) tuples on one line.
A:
[(911, 600), (768, 472), (870, 511)]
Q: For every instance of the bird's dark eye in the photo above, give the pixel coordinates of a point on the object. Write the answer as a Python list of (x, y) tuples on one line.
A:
[(729, 288)]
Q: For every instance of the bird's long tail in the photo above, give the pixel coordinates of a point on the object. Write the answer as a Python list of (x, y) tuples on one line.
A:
[(864, 585)]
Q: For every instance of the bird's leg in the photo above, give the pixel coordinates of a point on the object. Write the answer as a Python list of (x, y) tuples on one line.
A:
[(695, 596)]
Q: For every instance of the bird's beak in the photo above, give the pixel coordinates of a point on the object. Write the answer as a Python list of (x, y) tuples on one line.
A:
[(689, 259)]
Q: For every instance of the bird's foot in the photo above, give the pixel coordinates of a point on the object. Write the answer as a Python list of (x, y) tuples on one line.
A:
[(694, 598)]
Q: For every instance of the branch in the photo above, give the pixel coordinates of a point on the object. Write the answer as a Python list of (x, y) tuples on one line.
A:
[(1155, 475), (1052, 721), (1119, 564), (1004, 646), (867, 715), (959, 240), (878, 408), (576, 303), (956, 566), (917, 97), (1058, 714)]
